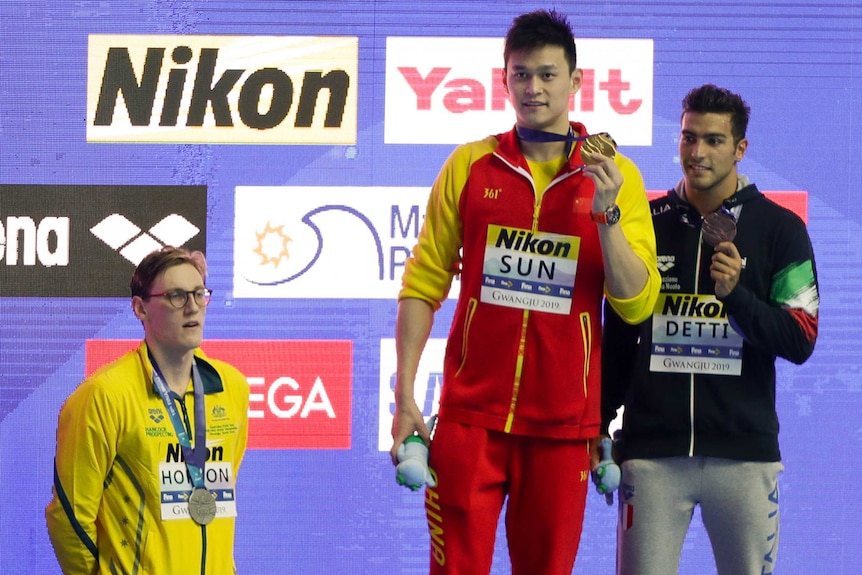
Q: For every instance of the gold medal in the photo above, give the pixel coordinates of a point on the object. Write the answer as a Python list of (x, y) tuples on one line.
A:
[(202, 506), (598, 144)]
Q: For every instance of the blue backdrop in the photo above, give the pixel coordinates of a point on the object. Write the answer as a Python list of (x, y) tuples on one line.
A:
[(338, 510)]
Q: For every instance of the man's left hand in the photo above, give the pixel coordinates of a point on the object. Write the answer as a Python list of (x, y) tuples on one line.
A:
[(608, 180), (726, 268)]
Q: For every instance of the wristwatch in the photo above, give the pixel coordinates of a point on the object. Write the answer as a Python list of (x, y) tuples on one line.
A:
[(608, 217)]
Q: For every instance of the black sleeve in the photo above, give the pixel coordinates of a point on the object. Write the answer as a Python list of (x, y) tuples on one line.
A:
[(786, 325), (619, 352)]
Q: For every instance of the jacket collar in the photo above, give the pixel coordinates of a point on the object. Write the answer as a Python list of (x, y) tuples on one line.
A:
[(509, 147), (209, 375), (745, 191)]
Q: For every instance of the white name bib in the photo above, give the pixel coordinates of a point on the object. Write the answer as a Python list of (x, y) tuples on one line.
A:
[(691, 334), (176, 487), (529, 270)]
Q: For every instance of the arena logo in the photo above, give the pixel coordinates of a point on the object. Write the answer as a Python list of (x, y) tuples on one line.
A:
[(300, 391), (222, 89), (28, 241), (56, 241), (134, 244), (665, 263)]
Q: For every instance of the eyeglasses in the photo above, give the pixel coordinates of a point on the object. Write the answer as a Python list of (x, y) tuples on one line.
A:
[(179, 298)]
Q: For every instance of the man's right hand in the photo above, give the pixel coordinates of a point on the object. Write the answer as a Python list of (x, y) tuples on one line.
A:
[(595, 451), (407, 421)]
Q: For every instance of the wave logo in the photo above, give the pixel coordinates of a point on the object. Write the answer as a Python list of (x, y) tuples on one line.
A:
[(134, 244), (324, 242)]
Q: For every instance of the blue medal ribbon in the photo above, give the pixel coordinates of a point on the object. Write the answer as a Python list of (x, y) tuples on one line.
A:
[(195, 458), (542, 137)]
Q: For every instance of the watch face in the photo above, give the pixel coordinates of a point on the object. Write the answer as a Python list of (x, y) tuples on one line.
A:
[(608, 217)]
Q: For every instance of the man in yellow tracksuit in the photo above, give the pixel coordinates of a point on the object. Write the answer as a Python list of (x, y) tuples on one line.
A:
[(141, 435)]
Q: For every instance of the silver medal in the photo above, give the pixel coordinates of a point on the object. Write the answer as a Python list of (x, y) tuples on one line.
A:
[(202, 506)]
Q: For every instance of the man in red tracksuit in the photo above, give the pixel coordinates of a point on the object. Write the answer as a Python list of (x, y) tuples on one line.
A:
[(538, 238)]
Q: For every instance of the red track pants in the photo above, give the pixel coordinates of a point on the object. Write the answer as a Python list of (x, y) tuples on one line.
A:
[(476, 469)]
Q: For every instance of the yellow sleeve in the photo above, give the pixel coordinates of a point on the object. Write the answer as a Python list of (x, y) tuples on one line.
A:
[(86, 443), (636, 223), (436, 258)]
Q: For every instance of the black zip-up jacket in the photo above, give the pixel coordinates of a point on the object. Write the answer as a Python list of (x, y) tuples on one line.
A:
[(696, 410)]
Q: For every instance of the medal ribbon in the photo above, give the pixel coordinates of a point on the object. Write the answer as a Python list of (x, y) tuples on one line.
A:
[(195, 458), (542, 137)]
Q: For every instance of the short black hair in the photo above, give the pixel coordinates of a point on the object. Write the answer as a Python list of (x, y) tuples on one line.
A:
[(710, 98), (538, 29)]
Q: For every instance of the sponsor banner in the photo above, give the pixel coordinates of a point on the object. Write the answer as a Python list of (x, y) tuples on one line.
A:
[(796, 201), (325, 242), (85, 241), (222, 89), (301, 391), (426, 389), (434, 95)]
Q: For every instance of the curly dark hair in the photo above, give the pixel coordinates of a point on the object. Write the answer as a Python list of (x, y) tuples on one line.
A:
[(709, 98)]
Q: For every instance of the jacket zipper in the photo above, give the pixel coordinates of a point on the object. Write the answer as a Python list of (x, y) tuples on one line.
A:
[(522, 341), (187, 422), (691, 376), (525, 318)]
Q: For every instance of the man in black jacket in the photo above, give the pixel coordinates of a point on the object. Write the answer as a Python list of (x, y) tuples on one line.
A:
[(697, 380)]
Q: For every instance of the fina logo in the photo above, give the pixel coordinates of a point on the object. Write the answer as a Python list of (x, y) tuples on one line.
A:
[(133, 244)]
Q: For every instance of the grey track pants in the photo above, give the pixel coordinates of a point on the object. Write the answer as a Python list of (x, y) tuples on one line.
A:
[(739, 507)]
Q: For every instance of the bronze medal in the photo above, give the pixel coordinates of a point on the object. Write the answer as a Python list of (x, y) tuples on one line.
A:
[(202, 506), (719, 226), (598, 144)]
